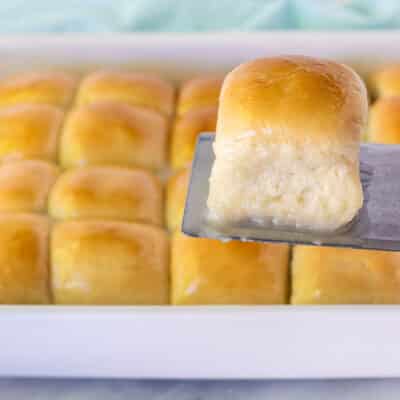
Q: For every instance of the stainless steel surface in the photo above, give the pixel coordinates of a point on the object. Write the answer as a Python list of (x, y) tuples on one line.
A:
[(377, 225)]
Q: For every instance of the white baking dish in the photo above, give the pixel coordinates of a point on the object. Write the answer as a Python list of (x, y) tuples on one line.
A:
[(198, 342)]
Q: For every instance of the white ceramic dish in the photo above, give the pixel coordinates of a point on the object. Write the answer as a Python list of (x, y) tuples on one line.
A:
[(198, 342)]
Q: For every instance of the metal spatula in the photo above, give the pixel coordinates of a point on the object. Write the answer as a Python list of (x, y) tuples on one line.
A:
[(377, 225)]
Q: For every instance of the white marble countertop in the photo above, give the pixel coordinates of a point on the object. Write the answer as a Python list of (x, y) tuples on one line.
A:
[(76, 389)]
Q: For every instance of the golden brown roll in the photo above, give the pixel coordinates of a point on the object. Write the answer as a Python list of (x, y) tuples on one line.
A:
[(24, 272), (25, 185), (186, 131), (113, 133), (287, 144), (177, 187), (329, 275), (107, 192), (29, 132), (205, 271), (54, 88), (137, 89), (109, 262), (384, 121), (202, 91), (385, 81)]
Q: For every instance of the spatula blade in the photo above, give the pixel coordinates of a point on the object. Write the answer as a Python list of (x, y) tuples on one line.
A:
[(377, 226)]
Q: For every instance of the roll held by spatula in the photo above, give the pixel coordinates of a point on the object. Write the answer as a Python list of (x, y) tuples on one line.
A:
[(287, 144)]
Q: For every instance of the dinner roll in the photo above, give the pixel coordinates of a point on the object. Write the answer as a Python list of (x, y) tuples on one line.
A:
[(329, 275), (177, 187), (107, 192), (202, 91), (287, 144), (137, 89), (54, 88), (25, 185), (113, 133), (385, 81), (109, 262), (186, 131), (205, 271), (384, 121), (29, 132), (24, 275)]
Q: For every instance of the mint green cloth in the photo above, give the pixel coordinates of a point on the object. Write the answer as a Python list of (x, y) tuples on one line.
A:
[(354, 14), (195, 15)]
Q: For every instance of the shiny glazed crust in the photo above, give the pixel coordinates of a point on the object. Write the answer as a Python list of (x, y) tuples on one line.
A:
[(205, 271), (107, 192), (114, 133), (186, 131), (25, 185), (199, 92), (137, 89), (24, 264), (328, 275), (109, 262)]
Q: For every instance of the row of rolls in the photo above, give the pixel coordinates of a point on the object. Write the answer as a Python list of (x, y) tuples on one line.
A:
[(88, 214)]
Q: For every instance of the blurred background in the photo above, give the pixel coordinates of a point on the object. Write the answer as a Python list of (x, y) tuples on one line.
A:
[(19, 16)]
